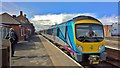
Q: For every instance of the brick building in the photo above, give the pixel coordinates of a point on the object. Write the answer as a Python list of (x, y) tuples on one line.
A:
[(28, 27), (9, 22), (20, 24)]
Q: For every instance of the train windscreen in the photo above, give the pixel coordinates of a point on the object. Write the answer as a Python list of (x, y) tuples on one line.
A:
[(89, 32)]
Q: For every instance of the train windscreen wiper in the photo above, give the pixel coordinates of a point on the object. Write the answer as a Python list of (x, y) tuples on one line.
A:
[(83, 38), (97, 39)]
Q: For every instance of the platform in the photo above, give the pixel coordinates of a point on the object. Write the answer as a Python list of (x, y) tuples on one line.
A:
[(58, 57), (112, 44), (40, 52)]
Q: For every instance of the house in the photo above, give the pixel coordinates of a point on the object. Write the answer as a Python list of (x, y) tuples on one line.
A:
[(9, 22), (20, 24), (28, 27), (107, 30)]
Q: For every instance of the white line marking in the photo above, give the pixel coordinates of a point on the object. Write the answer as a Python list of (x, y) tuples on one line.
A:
[(112, 48), (111, 41)]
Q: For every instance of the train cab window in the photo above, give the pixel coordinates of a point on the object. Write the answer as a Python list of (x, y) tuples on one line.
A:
[(89, 32)]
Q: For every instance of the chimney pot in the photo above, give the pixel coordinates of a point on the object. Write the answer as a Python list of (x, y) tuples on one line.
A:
[(24, 15), (14, 16)]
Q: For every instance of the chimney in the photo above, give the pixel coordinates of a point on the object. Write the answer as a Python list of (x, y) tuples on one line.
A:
[(21, 12), (14, 16), (24, 15)]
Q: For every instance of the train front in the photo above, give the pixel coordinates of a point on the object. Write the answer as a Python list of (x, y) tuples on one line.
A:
[(89, 39)]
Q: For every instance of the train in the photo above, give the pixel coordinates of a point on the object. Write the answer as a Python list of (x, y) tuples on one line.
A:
[(82, 37)]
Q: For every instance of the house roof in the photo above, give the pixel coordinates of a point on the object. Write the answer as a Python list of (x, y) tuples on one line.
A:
[(7, 19), (22, 18)]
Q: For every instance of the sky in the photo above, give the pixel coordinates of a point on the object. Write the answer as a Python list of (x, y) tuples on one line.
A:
[(34, 8), (105, 11)]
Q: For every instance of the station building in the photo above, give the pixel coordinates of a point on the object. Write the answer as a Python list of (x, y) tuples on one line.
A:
[(27, 27), (7, 22), (20, 24)]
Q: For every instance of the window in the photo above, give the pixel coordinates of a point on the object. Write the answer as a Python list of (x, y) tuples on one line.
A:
[(50, 31), (89, 32), (22, 31)]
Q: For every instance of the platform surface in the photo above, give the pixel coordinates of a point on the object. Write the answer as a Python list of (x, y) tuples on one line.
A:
[(40, 52), (112, 43), (31, 53), (58, 57)]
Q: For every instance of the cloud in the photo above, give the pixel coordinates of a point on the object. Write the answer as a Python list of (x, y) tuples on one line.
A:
[(109, 20), (51, 19), (39, 26)]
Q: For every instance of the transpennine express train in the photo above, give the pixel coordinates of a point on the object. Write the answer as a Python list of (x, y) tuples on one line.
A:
[(82, 37)]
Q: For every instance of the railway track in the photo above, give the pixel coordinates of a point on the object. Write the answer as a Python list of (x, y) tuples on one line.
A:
[(103, 64), (111, 62), (113, 57)]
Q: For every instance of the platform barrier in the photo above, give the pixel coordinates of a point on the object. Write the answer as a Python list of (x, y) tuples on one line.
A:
[(5, 54)]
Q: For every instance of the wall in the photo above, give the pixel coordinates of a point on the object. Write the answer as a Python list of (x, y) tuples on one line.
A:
[(18, 28), (107, 30)]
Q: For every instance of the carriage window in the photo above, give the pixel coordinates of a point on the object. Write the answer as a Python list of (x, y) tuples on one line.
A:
[(50, 31)]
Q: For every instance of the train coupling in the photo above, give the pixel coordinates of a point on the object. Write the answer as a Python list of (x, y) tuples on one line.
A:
[(93, 59)]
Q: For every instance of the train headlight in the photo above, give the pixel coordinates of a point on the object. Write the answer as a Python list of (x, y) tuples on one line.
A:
[(80, 48), (101, 46)]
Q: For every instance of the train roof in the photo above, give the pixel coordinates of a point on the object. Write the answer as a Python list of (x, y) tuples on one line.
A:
[(82, 17), (52, 27)]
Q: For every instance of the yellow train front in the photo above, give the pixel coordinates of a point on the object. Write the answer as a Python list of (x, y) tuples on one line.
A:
[(82, 37), (89, 39)]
